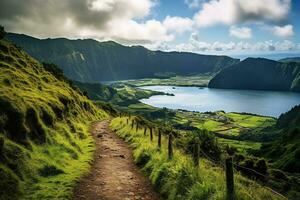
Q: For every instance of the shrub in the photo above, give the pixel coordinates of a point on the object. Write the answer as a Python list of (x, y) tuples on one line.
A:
[(142, 158), (54, 70), (50, 170), (2, 32), (261, 166)]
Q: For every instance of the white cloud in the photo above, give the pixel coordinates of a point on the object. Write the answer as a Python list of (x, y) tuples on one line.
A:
[(230, 12), (240, 32), (178, 24), (283, 31), (192, 4), (98, 19), (196, 45)]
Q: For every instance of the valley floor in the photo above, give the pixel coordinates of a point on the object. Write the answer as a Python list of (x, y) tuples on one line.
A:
[(113, 176)]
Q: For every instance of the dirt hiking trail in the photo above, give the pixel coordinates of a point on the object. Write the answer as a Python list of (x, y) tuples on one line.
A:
[(113, 176)]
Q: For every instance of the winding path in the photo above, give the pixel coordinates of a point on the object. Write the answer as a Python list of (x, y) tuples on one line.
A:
[(114, 176)]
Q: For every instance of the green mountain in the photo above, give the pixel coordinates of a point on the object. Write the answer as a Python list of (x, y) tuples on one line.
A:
[(259, 74), (45, 146), (92, 61), (294, 59)]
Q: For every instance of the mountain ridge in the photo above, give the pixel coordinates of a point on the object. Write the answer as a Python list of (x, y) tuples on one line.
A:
[(259, 74), (88, 60)]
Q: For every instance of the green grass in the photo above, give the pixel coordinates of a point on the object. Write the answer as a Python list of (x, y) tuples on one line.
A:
[(200, 80), (232, 124), (45, 145), (251, 121), (178, 178), (241, 146)]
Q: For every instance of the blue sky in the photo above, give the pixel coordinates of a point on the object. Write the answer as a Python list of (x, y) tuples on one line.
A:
[(262, 30), (202, 26)]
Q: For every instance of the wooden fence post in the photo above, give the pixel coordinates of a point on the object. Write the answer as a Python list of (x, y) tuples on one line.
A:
[(145, 130), (137, 127), (229, 179), (151, 134), (170, 147), (1, 144), (159, 139), (196, 152)]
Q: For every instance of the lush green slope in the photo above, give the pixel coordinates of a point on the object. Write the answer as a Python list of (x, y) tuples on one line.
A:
[(92, 61), (120, 94), (44, 141), (285, 151), (259, 74), (177, 177)]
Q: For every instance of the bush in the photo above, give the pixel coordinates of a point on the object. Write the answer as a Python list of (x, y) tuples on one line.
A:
[(2, 32), (261, 166), (143, 158), (50, 171), (54, 70)]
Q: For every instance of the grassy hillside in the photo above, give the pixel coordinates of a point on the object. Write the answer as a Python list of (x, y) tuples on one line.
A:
[(259, 74), (178, 178), (200, 80), (120, 94), (45, 146), (285, 151), (92, 61)]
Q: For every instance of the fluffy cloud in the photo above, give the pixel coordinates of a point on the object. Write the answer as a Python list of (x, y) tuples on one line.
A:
[(240, 32), (196, 45), (120, 20), (230, 12), (283, 31), (178, 24)]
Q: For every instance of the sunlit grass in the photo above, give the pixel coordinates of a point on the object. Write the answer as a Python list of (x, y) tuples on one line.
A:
[(178, 178), (44, 126)]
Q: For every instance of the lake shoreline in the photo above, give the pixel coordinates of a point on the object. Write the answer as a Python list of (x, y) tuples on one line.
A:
[(237, 101)]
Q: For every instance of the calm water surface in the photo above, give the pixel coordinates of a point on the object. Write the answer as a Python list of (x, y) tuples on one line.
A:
[(269, 103)]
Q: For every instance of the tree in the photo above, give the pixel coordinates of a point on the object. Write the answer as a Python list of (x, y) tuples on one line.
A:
[(2, 32)]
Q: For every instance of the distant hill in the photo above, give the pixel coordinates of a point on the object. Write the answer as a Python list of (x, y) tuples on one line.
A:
[(259, 74), (92, 61), (120, 94), (294, 59)]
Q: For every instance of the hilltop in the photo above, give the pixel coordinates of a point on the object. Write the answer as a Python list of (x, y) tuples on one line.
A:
[(259, 74), (92, 61)]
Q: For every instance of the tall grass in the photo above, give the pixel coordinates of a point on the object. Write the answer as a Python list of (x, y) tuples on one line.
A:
[(45, 146), (178, 178)]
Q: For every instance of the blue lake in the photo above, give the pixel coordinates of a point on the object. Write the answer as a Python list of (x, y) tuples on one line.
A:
[(268, 103)]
